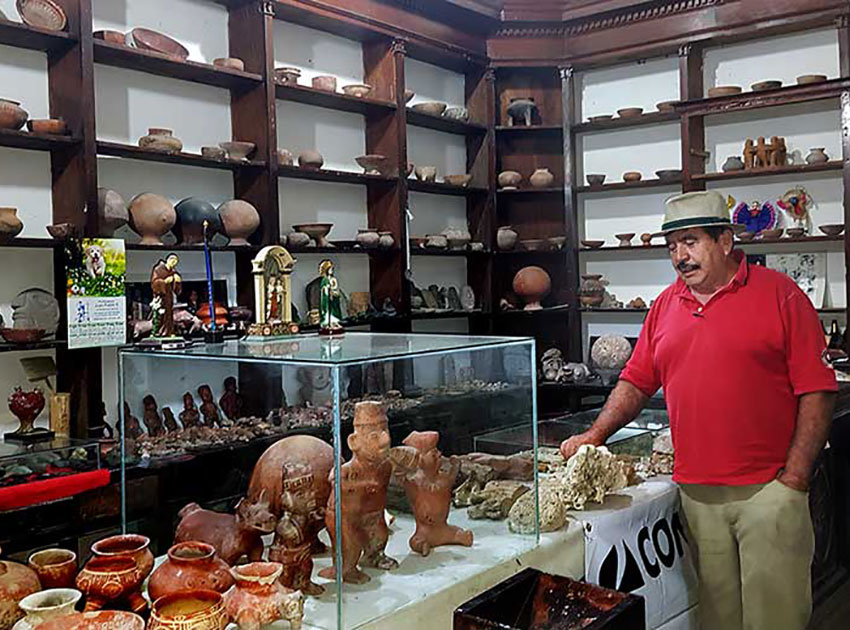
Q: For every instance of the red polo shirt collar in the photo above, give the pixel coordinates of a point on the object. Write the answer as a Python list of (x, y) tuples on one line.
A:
[(681, 289)]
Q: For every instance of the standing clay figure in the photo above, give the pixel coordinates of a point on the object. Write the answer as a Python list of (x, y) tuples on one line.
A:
[(165, 283), (330, 301), (231, 401), (291, 546), (189, 417), (749, 154), (778, 152), (169, 421), (151, 417), (363, 489), (762, 153), (132, 428), (232, 535), (208, 407), (428, 485)]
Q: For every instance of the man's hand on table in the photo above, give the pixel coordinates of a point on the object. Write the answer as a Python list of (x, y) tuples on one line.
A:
[(572, 444)]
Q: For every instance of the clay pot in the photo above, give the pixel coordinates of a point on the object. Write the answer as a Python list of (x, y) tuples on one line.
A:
[(592, 290), (311, 159), (625, 239), (16, 582), (436, 241), (807, 79), (509, 180), (232, 63), (630, 112), (632, 176), (458, 238), (46, 605), (26, 406), (358, 90), (646, 239), (324, 82), (460, 181), (522, 112), (316, 231), (151, 216), (592, 243), (113, 37), (373, 164), (10, 224), (198, 609), (105, 580), (426, 173), (732, 163), (12, 115), (541, 178), (285, 157), (162, 140), (386, 240), (111, 211), (49, 126), (258, 599), (190, 565), (134, 546), (55, 568), (287, 76), (532, 284), (238, 150), (724, 90), (100, 620), (430, 108), (368, 238), (191, 214), (239, 219), (817, 156), (506, 238)]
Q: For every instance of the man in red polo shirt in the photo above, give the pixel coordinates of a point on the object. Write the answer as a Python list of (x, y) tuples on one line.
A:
[(738, 350)]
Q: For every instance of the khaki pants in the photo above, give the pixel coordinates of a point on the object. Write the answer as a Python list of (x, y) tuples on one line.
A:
[(753, 547)]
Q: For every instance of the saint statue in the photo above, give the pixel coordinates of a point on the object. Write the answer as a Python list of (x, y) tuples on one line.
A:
[(330, 301), (165, 283)]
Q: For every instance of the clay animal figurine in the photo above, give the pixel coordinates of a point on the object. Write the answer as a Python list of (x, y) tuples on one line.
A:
[(132, 428), (363, 486), (291, 546), (259, 599), (208, 407), (749, 154), (232, 535), (762, 153), (231, 401), (779, 152), (169, 420), (151, 417), (428, 485), (189, 417)]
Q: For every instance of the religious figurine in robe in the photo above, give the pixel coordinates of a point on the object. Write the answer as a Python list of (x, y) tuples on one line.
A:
[(330, 301), (165, 284)]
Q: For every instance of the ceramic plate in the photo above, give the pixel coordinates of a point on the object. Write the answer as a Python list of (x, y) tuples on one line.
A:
[(42, 14)]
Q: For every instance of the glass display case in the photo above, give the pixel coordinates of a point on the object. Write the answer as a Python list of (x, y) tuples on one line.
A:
[(391, 423)]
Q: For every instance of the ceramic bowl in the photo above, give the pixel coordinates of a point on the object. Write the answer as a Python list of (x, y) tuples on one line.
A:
[(457, 113), (231, 63), (595, 179), (188, 609), (287, 75), (630, 112), (213, 153), (806, 79), (147, 39), (461, 181), (311, 160), (22, 335), (373, 164), (795, 232), (592, 244), (832, 229), (632, 176), (324, 82), (625, 238), (408, 95), (237, 150), (100, 620), (601, 118), (746, 236), (761, 86), (534, 244), (557, 242), (113, 37), (426, 173), (52, 126), (45, 14), (666, 106), (316, 231), (669, 174), (359, 90), (723, 90), (431, 108), (771, 235)]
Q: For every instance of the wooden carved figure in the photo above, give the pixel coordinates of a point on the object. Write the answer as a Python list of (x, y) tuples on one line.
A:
[(428, 484), (749, 154), (189, 417), (231, 401), (363, 490), (151, 417), (208, 407), (293, 535), (762, 153), (779, 152)]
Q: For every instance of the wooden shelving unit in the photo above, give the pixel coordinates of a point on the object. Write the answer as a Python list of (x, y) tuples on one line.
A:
[(35, 142), (332, 100), (128, 151)]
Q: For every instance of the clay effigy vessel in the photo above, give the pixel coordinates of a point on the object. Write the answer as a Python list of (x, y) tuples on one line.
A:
[(258, 599), (26, 406), (195, 609), (16, 582), (231, 401), (231, 535), (109, 581), (151, 417), (133, 546), (55, 568), (363, 487), (428, 484), (190, 565), (190, 416)]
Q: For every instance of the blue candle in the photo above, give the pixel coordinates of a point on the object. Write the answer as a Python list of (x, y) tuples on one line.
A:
[(208, 260)]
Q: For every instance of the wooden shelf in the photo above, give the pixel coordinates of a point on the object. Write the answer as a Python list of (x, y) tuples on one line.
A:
[(35, 142), (22, 36), (651, 118), (768, 98), (38, 345), (532, 130), (644, 183), (530, 191), (120, 56), (31, 243), (180, 247), (447, 315), (794, 169), (441, 123), (332, 100), (129, 151), (528, 252), (327, 175), (427, 251), (548, 310), (442, 188), (344, 247), (785, 240)]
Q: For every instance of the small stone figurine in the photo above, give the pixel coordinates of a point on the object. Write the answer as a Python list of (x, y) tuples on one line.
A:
[(209, 409), (231, 401), (428, 484), (292, 540), (151, 417), (189, 417), (330, 301), (169, 421), (132, 428)]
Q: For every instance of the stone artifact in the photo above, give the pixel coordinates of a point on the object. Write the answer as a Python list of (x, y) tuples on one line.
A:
[(195, 609), (151, 417), (521, 112), (541, 178), (272, 270), (161, 140), (151, 216), (231, 401), (522, 519), (476, 477), (732, 163), (518, 466), (611, 352), (132, 428), (458, 238), (363, 486), (96, 620), (591, 293), (325, 82), (467, 298), (258, 598), (506, 238), (532, 284), (111, 581), (368, 238), (190, 565), (10, 224), (16, 582), (311, 159), (386, 240), (26, 406), (169, 421), (509, 180), (166, 284), (12, 115), (239, 219), (45, 605), (213, 153), (232, 63), (300, 517), (146, 39), (817, 156), (209, 409), (232, 535), (189, 417), (590, 474), (111, 210), (55, 568), (191, 214), (330, 301), (426, 173), (427, 481), (497, 498), (374, 164)]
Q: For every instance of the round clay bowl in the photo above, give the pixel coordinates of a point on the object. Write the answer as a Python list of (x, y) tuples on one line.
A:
[(113, 37), (630, 112), (43, 14), (746, 236), (287, 76), (457, 113), (311, 159), (772, 235), (22, 335), (12, 115), (231, 63), (461, 181), (724, 90), (533, 244), (189, 609), (316, 231), (592, 244), (807, 79), (237, 150), (601, 117), (795, 232), (358, 90), (632, 176), (52, 126), (100, 620), (55, 568), (239, 220), (426, 173), (761, 86), (146, 39), (151, 216), (666, 106), (431, 108), (669, 174), (832, 229), (625, 239), (595, 179), (373, 164)]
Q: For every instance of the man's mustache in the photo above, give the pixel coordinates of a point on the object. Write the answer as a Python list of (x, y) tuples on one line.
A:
[(684, 267)]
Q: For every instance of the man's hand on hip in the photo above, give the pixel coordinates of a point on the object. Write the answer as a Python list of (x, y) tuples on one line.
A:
[(795, 482)]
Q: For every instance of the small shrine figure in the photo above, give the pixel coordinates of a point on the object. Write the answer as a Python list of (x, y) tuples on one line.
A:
[(151, 417), (364, 483), (132, 428), (272, 271), (209, 409), (428, 481), (166, 283), (189, 417), (749, 154), (299, 518), (169, 420), (330, 301), (231, 401)]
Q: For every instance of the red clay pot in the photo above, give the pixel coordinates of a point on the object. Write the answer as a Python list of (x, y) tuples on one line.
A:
[(190, 566)]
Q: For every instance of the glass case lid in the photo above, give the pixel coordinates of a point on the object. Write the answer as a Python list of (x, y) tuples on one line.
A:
[(16, 449), (349, 349)]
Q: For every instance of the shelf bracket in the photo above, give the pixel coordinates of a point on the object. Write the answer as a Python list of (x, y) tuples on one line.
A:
[(267, 8)]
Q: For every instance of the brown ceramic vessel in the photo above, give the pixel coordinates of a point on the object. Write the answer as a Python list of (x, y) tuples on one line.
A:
[(100, 620), (532, 284), (146, 39), (10, 224), (151, 216), (240, 220), (12, 115), (113, 37), (50, 126), (134, 546), (231, 63), (56, 568), (110, 581), (16, 582), (195, 609), (258, 599), (190, 566)]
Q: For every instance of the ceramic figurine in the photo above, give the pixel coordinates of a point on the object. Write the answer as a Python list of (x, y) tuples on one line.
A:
[(330, 301), (26, 406), (762, 153), (521, 112), (151, 417), (428, 484), (363, 486), (778, 152), (592, 290), (16, 582), (132, 428), (169, 421), (189, 417), (232, 535), (749, 154), (299, 517), (166, 283), (272, 270), (231, 401), (190, 565), (208, 407), (258, 598)]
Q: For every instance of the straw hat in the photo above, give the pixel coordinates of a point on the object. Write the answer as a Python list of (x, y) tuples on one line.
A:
[(696, 209)]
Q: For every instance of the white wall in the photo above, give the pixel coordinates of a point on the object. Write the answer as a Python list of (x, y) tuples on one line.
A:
[(432, 83), (316, 53)]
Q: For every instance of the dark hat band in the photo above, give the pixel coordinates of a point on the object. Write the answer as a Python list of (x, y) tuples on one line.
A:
[(680, 224)]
